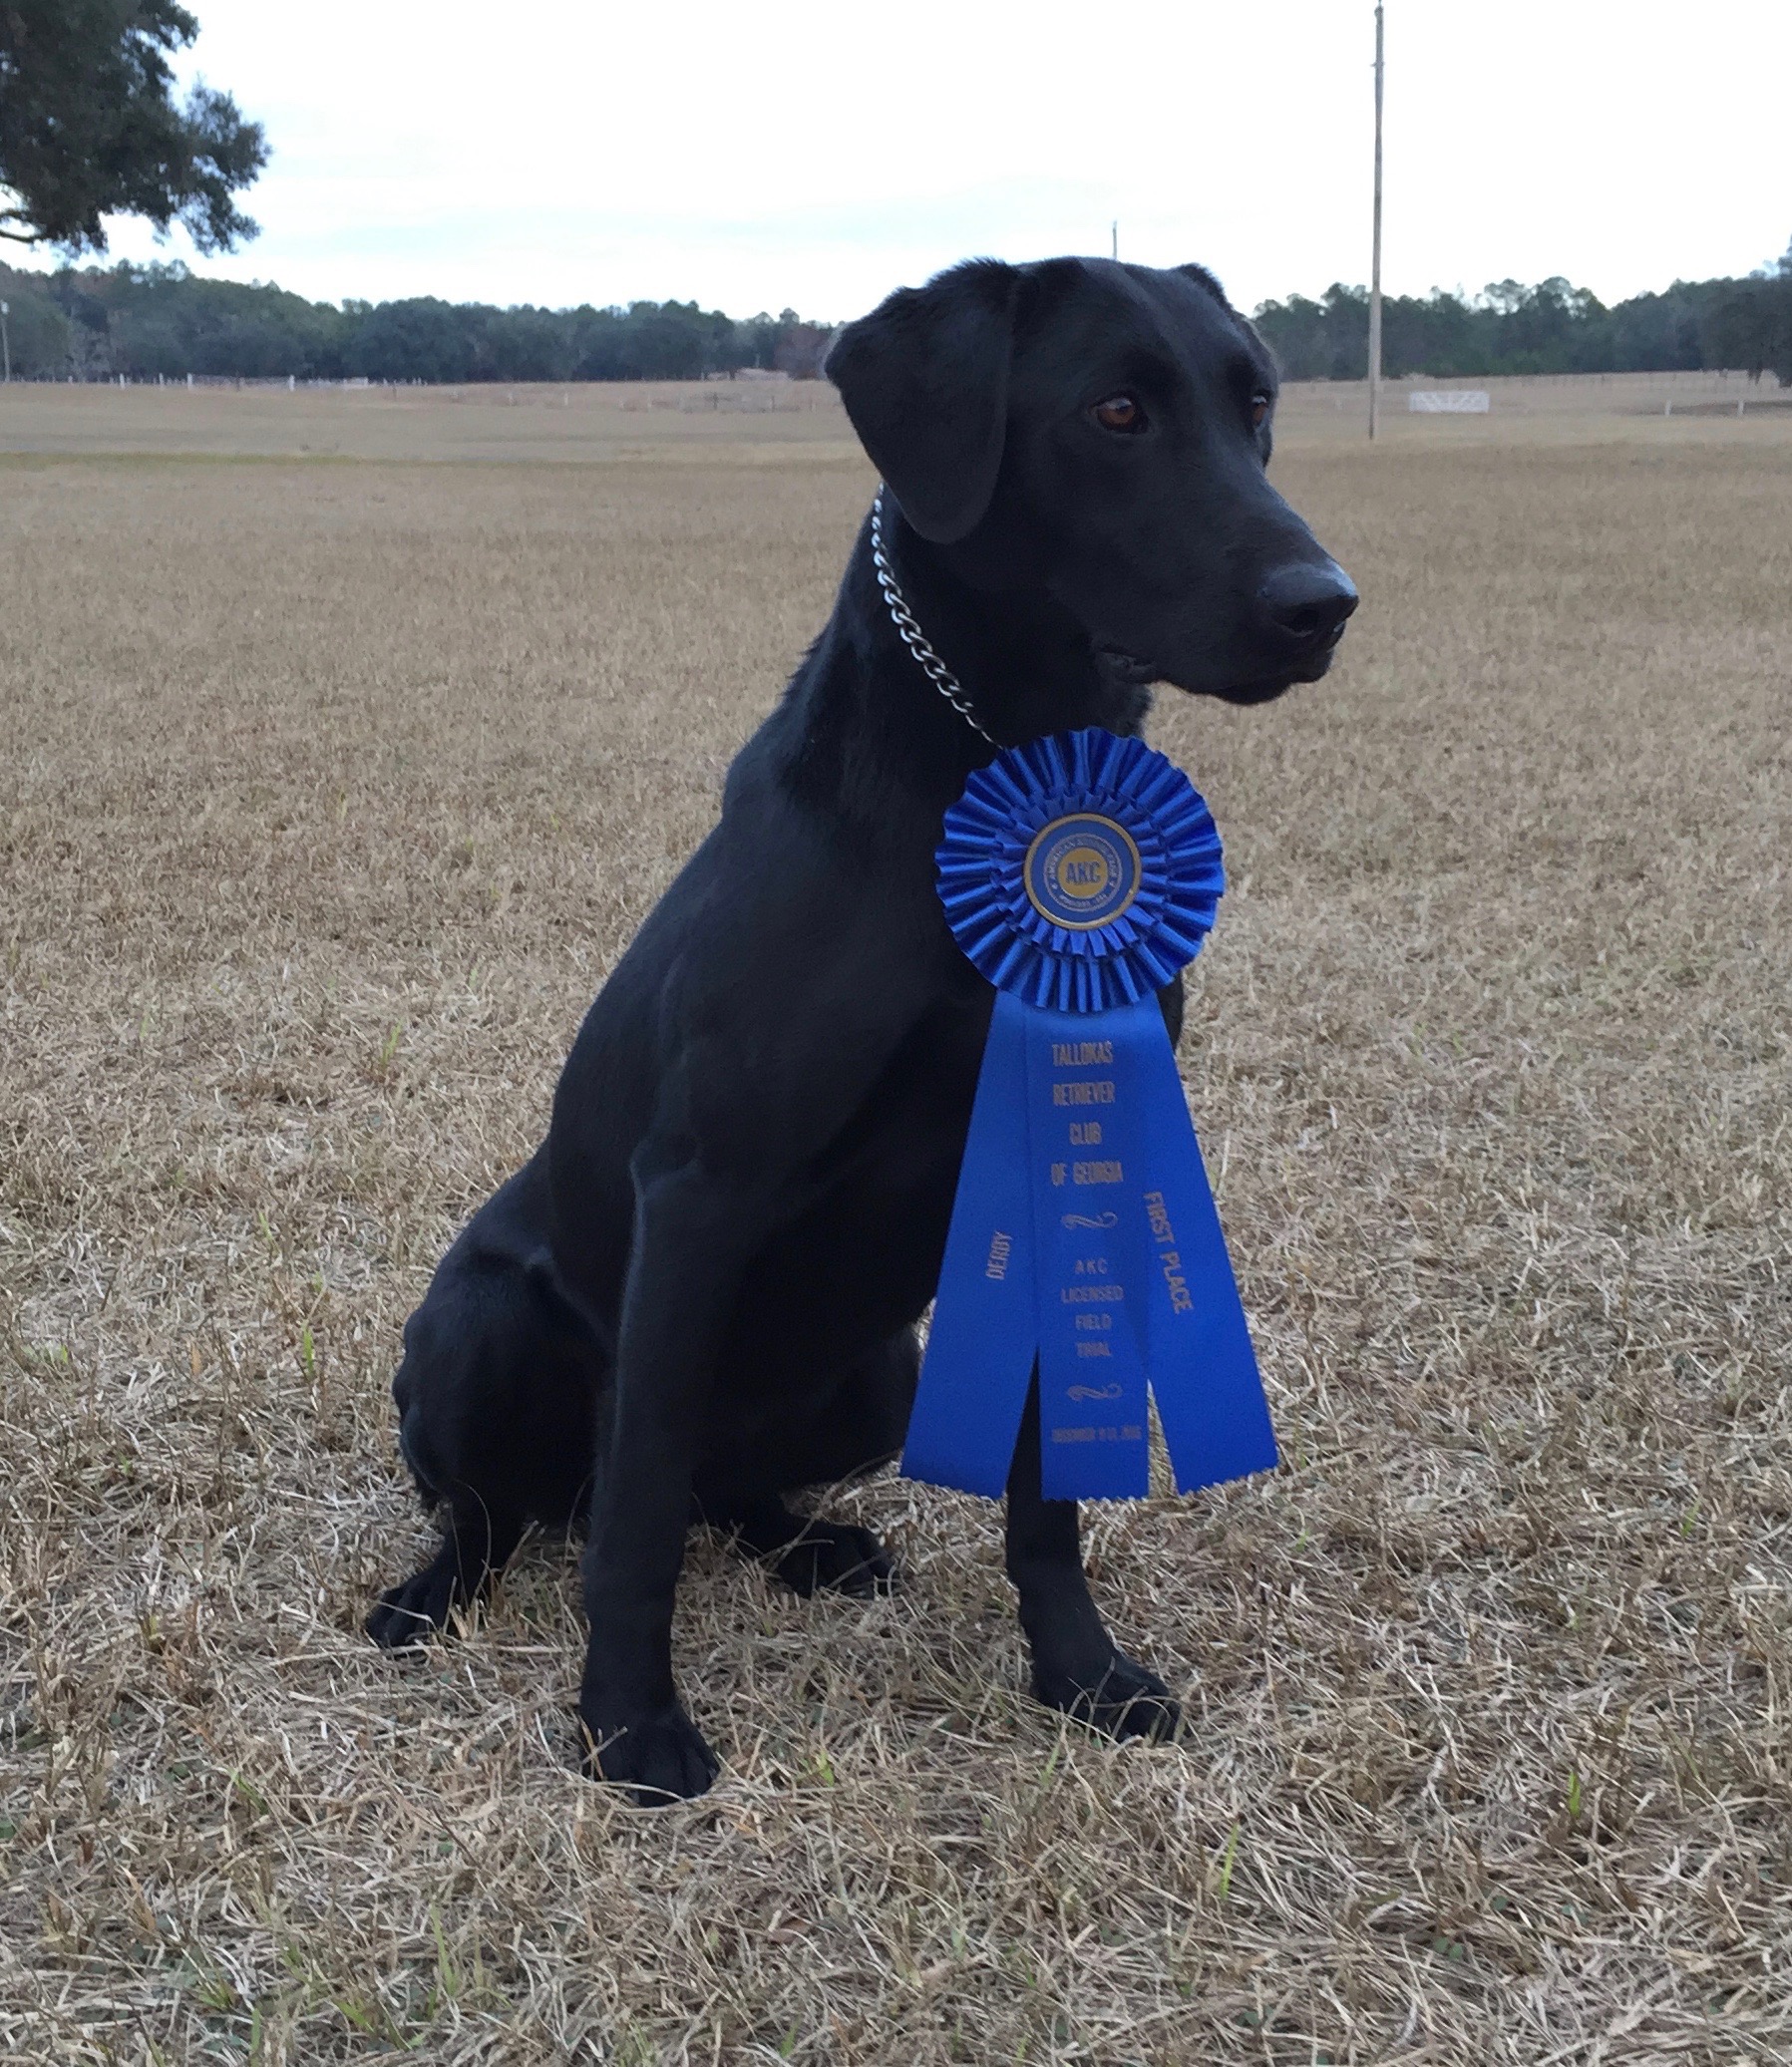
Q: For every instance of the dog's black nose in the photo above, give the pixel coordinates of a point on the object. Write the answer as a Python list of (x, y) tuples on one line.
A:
[(1308, 600)]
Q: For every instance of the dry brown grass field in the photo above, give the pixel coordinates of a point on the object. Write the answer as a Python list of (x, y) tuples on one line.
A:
[(746, 422), (328, 793)]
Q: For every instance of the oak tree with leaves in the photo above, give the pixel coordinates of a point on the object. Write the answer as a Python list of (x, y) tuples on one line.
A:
[(89, 128)]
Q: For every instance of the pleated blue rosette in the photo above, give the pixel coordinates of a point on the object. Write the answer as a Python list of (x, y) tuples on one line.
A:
[(1079, 873)]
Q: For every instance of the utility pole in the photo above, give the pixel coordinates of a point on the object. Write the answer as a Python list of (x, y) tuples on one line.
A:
[(5, 344), (1116, 233), (1375, 260)]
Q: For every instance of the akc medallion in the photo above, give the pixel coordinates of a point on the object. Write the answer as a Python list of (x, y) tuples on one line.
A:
[(1082, 870), (1079, 873)]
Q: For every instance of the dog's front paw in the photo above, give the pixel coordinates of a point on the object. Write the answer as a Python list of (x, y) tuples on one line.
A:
[(1126, 1700), (837, 1556), (660, 1756)]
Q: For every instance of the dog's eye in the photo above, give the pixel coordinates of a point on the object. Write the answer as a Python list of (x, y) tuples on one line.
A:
[(1260, 410), (1119, 413)]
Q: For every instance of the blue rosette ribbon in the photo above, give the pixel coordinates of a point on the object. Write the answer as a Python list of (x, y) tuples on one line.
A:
[(1078, 875)]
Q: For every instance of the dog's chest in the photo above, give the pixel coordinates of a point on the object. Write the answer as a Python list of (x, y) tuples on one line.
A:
[(866, 1252), (910, 1129)]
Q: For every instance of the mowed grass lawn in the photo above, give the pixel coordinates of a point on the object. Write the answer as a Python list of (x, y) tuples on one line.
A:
[(329, 791)]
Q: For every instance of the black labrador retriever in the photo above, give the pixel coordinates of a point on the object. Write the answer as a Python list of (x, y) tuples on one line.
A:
[(702, 1293)]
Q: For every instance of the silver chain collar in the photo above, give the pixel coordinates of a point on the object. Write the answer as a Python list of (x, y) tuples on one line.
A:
[(912, 636)]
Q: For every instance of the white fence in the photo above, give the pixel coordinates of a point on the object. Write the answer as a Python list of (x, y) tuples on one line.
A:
[(1449, 402)]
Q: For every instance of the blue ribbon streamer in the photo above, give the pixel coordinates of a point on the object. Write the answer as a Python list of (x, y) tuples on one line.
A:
[(1084, 1243), (985, 1333), (1099, 1261)]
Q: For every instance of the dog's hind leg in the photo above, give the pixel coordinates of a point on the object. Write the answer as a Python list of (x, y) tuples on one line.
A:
[(806, 1552), (1076, 1665), (475, 1544), (857, 1427), (496, 1398)]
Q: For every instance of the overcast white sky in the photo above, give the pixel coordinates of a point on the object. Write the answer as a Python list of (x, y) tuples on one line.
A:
[(758, 156)]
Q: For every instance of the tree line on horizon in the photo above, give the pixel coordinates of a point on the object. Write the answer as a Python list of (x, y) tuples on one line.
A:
[(162, 320), (1740, 325), (149, 321)]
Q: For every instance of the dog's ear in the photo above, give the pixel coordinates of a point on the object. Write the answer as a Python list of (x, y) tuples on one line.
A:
[(1202, 278), (924, 378)]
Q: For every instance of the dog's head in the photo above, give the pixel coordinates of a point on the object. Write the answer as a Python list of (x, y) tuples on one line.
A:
[(1101, 430)]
